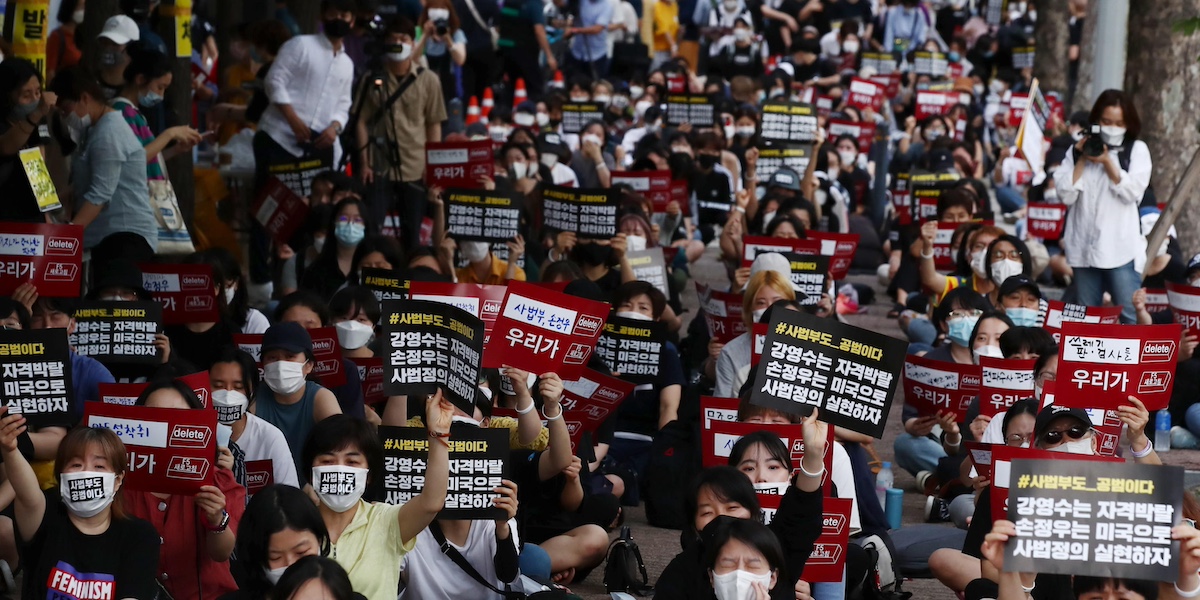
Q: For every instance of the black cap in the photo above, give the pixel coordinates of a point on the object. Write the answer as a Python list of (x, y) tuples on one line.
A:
[(120, 273), (289, 337), (940, 159), (1017, 282), (551, 142), (809, 45), (1052, 412), (784, 178)]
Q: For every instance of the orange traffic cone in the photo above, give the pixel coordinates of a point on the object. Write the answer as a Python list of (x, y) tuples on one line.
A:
[(473, 111), (520, 95), (489, 100), (558, 82)]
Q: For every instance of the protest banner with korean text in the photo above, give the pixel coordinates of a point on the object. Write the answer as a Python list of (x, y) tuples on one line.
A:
[(297, 173), (717, 439), (1003, 382), (656, 186), (1002, 459), (863, 133), (930, 104), (458, 164), (808, 273), (633, 348), (1058, 312), (482, 301), (545, 331), (696, 109), (279, 210), (121, 393), (827, 561), (171, 451), (485, 215), (478, 457), (37, 376), (928, 187), (713, 408), (649, 265), (576, 115), (981, 457), (327, 356), (260, 474), (186, 292), (385, 284), (117, 332), (1157, 300), (1046, 221), (48, 256), (865, 93), (788, 122), (932, 386), (370, 372), (722, 313), (1185, 305), (840, 248), (1102, 365), (783, 155), (930, 63), (753, 245), (429, 345), (595, 393), (588, 213)]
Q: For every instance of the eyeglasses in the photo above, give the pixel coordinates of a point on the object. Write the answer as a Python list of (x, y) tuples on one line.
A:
[(1015, 439), (1013, 254), (1075, 432), (963, 314), (1191, 522)]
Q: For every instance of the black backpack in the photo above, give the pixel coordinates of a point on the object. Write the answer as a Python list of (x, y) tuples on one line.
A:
[(674, 461), (624, 570)]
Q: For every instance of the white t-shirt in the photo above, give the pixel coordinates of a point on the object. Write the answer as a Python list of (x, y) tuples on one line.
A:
[(429, 574), (256, 322), (843, 478), (261, 440)]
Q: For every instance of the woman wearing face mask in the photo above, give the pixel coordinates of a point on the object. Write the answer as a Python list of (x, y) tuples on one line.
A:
[(280, 526), (61, 50), (234, 377), (745, 561), (83, 526), (355, 312), (443, 43), (288, 401), (1104, 193), (975, 253), (770, 281), (1007, 256), (911, 149), (351, 222), (985, 337), (592, 163), (738, 52), (853, 177), (245, 318), (25, 107), (208, 520)]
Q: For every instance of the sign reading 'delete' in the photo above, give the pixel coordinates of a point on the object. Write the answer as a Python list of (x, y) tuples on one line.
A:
[(49, 256), (1100, 366), (170, 450), (541, 331), (186, 292)]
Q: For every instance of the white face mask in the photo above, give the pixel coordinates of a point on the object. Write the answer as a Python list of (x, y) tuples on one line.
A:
[(1006, 268), (401, 56), (639, 109), (549, 159), (230, 405), (437, 14), (273, 575), (353, 335), (474, 251), (768, 217), (631, 314), (738, 585), (518, 170), (635, 243), (1080, 446), (758, 314), (77, 16), (542, 119), (524, 119), (1050, 195), (111, 299), (746, 130), (847, 157), (729, 131), (284, 376), (978, 89), (977, 263), (230, 292), (499, 133), (742, 35), (318, 243), (636, 90), (832, 173), (850, 47), (1112, 136), (988, 351), (577, 98), (87, 493), (602, 99), (338, 487)]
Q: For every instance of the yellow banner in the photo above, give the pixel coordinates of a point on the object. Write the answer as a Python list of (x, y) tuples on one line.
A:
[(39, 179), (183, 28), (30, 23)]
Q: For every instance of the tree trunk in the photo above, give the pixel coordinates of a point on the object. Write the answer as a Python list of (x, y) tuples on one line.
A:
[(95, 14), (1052, 39), (1163, 75), (179, 108), (1084, 96)]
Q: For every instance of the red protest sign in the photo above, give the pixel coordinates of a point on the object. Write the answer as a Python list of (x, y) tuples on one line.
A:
[(654, 185), (1058, 313), (718, 438), (890, 84), (933, 385), (187, 292), (1046, 220), (1002, 457), (863, 133), (1157, 300), (1102, 365), (171, 450), (595, 393), (943, 250), (824, 105), (458, 164), (931, 104), (370, 371), (839, 247), (713, 408), (865, 94), (482, 301), (48, 256), (981, 457), (545, 331), (1107, 424), (926, 209), (259, 475), (328, 355), (1016, 109), (827, 562), (121, 393), (1185, 305), (201, 385), (1003, 382), (722, 313), (279, 210), (753, 245)]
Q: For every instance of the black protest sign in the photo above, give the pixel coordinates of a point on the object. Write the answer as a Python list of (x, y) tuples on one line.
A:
[(808, 272), (589, 213), (36, 371), (778, 156), (633, 348), (485, 215), (850, 374), (933, 64), (788, 122), (1098, 519), (690, 108), (576, 115), (117, 332), (297, 173), (649, 265), (478, 459), (387, 285), (1023, 57), (926, 188), (429, 345)]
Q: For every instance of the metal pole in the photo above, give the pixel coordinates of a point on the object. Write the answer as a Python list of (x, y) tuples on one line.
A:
[(1108, 68)]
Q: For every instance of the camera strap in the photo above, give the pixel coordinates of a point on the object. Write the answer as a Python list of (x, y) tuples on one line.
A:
[(387, 105)]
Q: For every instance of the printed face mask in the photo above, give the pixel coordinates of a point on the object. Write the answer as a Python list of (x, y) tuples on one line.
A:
[(399, 52), (353, 335), (772, 489), (959, 330), (87, 493), (338, 487), (284, 376), (230, 405), (738, 585)]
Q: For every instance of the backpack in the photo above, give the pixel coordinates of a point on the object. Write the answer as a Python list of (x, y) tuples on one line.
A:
[(624, 570), (674, 461), (883, 580)]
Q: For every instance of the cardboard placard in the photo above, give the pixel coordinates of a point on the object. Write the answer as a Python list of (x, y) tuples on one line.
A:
[(780, 155), (171, 451), (370, 372), (589, 213), (722, 313), (576, 115), (1002, 459), (788, 122), (429, 345), (280, 210), (1058, 313), (458, 164), (808, 272), (933, 64), (865, 93), (696, 109), (478, 461), (932, 386), (595, 393), (48, 256), (482, 301), (1185, 305), (827, 562), (1003, 382), (1102, 365), (482, 215), (840, 248), (39, 179), (650, 266), (387, 285), (121, 393), (929, 187), (944, 259), (260, 474), (1097, 520), (546, 331), (981, 457), (753, 245), (863, 133), (850, 374), (1045, 221), (187, 292), (713, 408), (117, 332), (717, 439), (36, 374), (633, 348)]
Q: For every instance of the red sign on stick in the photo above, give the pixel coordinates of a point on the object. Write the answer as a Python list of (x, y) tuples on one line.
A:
[(1046, 220), (722, 313), (545, 331), (128, 393), (933, 385), (187, 292), (171, 451), (863, 133), (718, 438), (280, 210), (1102, 365), (596, 393), (1185, 305), (1003, 382), (1058, 313), (482, 301), (827, 562), (458, 164), (839, 247), (49, 256), (1157, 300)]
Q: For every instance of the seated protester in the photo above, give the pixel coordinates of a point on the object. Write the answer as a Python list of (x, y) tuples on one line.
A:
[(1021, 299), (652, 406), (234, 377), (712, 186), (744, 559), (288, 400), (603, 261), (1024, 341), (67, 536), (375, 252), (244, 318), (201, 528), (955, 318), (526, 431), (370, 539), (853, 177), (305, 246), (349, 223), (200, 342), (488, 547), (86, 372), (770, 281), (281, 525), (591, 162), (25, 108), (355, 312), (312, 312), (485, 268), (955, 206), (316, 576), (121, 281), (552, 158)]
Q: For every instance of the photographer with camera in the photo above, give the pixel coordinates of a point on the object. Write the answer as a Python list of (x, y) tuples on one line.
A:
[(1103, 180), (442, 42)]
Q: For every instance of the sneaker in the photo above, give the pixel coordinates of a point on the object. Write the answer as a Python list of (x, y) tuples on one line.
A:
[(922, 479), (936, 510), (1183, 439)]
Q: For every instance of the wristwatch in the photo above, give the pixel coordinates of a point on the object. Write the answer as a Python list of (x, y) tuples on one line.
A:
[(224, 523)]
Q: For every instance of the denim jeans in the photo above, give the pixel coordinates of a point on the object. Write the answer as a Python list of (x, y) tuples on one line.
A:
[(1009, 199), (1120, 282), (534, 561), (921, 331), (916, 454), (830, 591)]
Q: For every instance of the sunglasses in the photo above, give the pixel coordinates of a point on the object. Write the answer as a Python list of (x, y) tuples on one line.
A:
[(1076, 432)]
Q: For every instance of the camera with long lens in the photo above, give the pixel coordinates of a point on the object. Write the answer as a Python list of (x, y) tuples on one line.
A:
[(1093, 144)]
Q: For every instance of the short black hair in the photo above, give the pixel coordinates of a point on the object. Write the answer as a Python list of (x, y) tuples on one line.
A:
[(385, 245), (1026, 262), (340, 6), (963, 296), (1024, 406), (15, 72), (1082, 585), (400, 25), (327, 570), (233, 354), (1003, 318), (566, 269), (770, 442), (337, 433), (8, 307), (727, 484), (632, 289), (782, 217), (184, 390), (749, 532), (304, 298), (66, 11), (1044, 359), (72, 83), (956, 196), (353, 300), (270, 511), (146, 61), (1034, 340)]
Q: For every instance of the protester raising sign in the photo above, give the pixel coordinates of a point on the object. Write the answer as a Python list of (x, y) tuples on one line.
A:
[(1046, 220), (752, 246), (788, 122), (863, 133), (576, 115), (649, 265), (1102, 365), (808, 274), (1099, 520), (387, 285), (428, 345), (933, 386), (279, 210), (482, 301), (633, 348), (478, 458), (928, 187), (117, 332), (717, 439), (187, 292), (722, 313), (589, 213), (545, 331), (865, 93), (713, 408), (595, 393), (850, 374), (839, 247), (482, 214), (1185, 305), (1058, 313), (1004, 381), (929, 63), (48, 256), (783, 155), (1002, 459), (458, 164), (827, 561), (37, 375), (171, 450), (931, 104)]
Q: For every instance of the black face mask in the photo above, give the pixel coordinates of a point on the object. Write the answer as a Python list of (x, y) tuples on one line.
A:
[(591, 254), (336, 28), (707, 161)]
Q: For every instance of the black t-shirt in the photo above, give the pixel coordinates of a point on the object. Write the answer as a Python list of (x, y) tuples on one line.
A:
[(819, 68), (639, 412), (203, 348), (19, 202), (845, 9), (323, 276), (61, 563)]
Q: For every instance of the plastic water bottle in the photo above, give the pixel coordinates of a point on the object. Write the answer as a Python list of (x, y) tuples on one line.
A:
[(1162, 431), (883, 482)]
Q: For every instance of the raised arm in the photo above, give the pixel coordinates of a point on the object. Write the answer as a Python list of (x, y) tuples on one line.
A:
[(422, 510), (30, 504)]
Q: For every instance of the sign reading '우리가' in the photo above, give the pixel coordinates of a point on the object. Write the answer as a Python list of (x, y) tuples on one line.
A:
[(1100, 366), (849, 373), (48, 256), (170, 450), (540, 331), (429, 345)]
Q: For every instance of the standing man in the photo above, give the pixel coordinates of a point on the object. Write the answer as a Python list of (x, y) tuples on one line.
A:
[(400, 112), (522, 37), (589, 44)]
